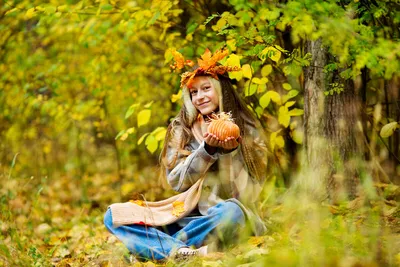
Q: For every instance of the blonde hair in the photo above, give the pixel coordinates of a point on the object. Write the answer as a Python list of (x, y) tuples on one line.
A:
[(179, 131)]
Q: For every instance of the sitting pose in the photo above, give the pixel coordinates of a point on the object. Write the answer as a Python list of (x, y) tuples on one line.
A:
[(219, 180)]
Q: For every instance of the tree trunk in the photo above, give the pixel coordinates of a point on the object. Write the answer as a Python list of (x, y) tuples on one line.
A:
[(331, 125), (314, 86)]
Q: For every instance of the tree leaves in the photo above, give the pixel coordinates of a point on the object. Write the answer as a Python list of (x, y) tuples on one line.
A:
[(131, 110), (268, 96), (388, 129), (276, 140), (143, 117)]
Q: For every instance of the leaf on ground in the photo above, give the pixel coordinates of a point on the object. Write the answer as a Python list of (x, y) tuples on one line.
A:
[(178, 208), (256, 241), (256, 252), (137, 202)]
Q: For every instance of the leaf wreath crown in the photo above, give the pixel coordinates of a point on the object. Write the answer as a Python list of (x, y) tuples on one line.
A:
[(207, 65)]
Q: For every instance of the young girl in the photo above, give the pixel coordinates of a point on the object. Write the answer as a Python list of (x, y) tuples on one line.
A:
[(228, 173)]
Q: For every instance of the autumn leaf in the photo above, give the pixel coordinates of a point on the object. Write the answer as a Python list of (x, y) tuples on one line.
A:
[(143, 117), (137, 202), (179, 59), (205, 59), (178, 208), (247, 72), (208, 60), (284, 116), (389, 129), (256, 240)]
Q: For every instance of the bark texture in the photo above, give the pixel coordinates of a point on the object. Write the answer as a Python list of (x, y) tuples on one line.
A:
[(333, 135)]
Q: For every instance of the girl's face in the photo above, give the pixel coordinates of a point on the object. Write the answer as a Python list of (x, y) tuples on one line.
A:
[(204, 96)]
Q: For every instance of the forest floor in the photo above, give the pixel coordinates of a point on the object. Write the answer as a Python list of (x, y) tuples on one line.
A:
[(49, 223)]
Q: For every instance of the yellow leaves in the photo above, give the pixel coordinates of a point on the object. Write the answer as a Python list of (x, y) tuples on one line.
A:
[(388, 129), (283, 116), (159, 133), (297, 136), (219, 25), (256, 240), (178, 208), (266, 70), (247, 72), (296, 111), (143, 117), (289, 95), (256, 80), (286, 86), (276, 140), (151, 143), (138, 202), (123, 135), (272, 53), (234, 60), (268, 96), (153, 139), (176, 97), (231, 44), (30, 13)]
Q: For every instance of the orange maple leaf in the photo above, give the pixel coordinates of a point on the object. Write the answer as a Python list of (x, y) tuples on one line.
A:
[(179, 59), (178, 208), (208, 60)]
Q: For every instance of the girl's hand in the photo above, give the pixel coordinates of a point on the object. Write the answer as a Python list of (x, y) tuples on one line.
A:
[(211, 139), (230, 143)]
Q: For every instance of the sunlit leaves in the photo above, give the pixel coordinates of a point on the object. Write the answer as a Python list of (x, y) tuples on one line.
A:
[(296, 112), (234, 60), (388, 129), (143, 117), (287, 86), (268, 96), (284, 116), (266, 70), (276, 140), (131, 110), (270, 52), (256, 80), (289, 95), (123, 135), (176, 97), (141, 139), (151, 143), (247, 72)]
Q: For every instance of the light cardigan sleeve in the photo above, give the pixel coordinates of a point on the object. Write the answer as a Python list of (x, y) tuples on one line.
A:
[(189, 169)]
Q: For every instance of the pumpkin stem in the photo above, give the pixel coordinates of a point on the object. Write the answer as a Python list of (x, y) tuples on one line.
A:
[(224, 116)]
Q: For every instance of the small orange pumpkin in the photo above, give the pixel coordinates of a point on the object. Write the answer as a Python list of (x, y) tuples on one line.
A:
[(222, 126)]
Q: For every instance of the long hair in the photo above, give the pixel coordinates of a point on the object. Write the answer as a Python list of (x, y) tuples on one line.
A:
[(179, 131)]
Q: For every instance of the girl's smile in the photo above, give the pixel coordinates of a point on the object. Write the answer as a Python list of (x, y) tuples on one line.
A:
[(204, 96)]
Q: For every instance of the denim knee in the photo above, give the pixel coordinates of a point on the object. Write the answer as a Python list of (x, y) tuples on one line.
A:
[(230, 211)]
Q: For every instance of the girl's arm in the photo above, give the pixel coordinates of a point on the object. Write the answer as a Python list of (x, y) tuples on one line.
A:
[(188, 168)]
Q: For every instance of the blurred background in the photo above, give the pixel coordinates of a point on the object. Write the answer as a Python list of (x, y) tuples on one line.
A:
[(86, 94)]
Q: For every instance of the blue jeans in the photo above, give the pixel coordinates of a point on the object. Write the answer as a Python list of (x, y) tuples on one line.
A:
[(158, 242)]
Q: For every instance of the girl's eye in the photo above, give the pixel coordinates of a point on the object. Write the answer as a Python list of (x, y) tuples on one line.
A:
[(193, 92), (206, 88)]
